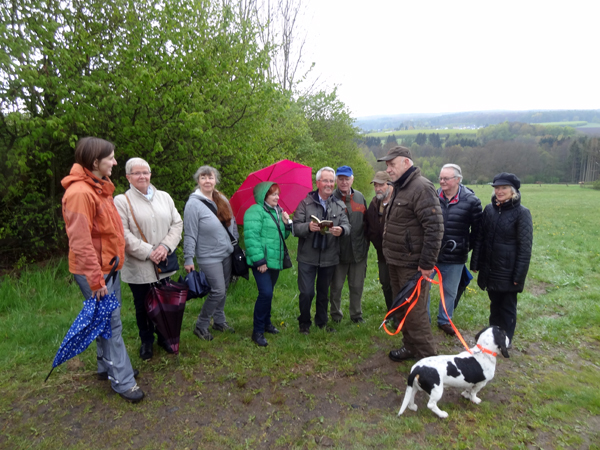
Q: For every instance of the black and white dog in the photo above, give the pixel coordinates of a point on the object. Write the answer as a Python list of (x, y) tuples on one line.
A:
[(464, 370)]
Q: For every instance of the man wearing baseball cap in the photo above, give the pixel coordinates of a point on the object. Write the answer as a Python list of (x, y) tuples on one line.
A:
[(412, 237), (354, 249), (374, 221)]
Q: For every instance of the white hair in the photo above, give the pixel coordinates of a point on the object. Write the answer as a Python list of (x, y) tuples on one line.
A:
[(134, 162), (457, 170), (207, 170), (324, 169)]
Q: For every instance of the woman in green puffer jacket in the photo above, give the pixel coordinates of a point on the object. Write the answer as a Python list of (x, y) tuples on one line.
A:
[(265, 252)]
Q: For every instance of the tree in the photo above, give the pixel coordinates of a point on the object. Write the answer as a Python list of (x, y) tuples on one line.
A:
[(421, 139)]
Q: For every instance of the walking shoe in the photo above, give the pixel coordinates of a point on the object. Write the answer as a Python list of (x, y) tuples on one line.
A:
[(305, 330), (146, 350), (328, 329), (401, 355), (338, 321), (166, 347), (259, 339), (271, 329), (223, 327), (358, 320), (133, 395), (104, 375), (447, 328), (203, 333)]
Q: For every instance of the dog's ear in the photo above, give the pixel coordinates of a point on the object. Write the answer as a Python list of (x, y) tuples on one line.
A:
[(479, 334), (500, 339)]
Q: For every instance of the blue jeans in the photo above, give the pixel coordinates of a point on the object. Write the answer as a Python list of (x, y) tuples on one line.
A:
[(451, 274), (265, 282)]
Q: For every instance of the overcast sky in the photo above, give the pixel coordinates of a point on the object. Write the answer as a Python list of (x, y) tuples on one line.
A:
[(399, 56)]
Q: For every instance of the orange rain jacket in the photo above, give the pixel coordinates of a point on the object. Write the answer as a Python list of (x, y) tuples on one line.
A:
[(93, 225)]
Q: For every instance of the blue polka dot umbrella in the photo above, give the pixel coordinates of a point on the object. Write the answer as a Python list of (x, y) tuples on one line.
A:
[(92, 321)]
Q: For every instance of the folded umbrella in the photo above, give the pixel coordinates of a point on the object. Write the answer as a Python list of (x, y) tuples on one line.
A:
[(92, 321), (197, 284), (294, 180), (165, 305), (465, 280)]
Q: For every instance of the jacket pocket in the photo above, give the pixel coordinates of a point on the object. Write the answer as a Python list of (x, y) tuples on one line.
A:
[(408, 241)]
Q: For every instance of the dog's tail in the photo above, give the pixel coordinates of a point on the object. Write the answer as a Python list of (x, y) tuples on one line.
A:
[(408, 394)]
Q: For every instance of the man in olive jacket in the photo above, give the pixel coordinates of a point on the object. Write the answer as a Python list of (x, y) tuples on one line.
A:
[(318, 253), (354, 249), (412, 237)]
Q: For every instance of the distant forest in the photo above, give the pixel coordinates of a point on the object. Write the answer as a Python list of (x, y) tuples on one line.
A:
[(473, 118), (535, 153)]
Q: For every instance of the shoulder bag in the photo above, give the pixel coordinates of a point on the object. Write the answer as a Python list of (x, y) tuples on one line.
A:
[(171, 264)]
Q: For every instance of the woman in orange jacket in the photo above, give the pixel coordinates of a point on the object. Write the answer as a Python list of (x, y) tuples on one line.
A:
[(95, 236)]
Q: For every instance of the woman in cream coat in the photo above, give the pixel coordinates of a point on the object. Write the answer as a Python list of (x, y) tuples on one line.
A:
[(161, 225)]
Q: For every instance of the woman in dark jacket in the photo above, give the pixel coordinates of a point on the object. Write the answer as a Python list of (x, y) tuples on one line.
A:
[(265, 252), (503, 250)]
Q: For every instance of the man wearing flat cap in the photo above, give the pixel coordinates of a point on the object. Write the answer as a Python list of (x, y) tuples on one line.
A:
[(412, 237), (354, 249), (374, 220)]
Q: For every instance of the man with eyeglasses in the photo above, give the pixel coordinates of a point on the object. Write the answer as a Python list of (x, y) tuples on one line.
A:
[(354, 249), (374, 220), (412, 236), (318, 247), (462, 217)]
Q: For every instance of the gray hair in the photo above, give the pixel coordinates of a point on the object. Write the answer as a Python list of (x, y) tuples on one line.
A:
[(207, 170), (457, 171), (324, 169), (133, 162)]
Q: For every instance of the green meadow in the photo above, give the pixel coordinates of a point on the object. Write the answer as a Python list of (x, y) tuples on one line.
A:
[(413, 133), (336, 390)]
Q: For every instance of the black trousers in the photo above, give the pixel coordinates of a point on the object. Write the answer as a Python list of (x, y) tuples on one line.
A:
[(306, 284), (145, 325), (503, 311)]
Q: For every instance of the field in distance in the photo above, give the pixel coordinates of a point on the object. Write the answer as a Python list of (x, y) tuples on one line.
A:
[(406, 133)]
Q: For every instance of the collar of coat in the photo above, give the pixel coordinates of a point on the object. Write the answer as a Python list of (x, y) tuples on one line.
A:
[(401, 182), (454, 199), (512, 203)]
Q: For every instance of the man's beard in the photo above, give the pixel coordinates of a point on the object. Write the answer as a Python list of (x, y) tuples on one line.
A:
[(380, 196)]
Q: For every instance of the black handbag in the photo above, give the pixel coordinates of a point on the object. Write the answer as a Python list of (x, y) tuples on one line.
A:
[(287, 261), (171, 264), (239, 266)]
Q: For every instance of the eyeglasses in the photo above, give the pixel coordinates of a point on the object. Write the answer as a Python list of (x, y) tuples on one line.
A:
[(139, 174), (445, 180)]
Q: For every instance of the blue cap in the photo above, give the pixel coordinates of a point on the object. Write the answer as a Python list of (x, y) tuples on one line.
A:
[(345, 171)]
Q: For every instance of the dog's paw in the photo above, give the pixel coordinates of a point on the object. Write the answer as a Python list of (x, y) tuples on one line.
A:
[(475, 399), (441, 414), (413, 407), (466, 394)]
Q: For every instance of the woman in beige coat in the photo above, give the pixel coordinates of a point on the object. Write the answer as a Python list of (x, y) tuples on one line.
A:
[(161, 225)]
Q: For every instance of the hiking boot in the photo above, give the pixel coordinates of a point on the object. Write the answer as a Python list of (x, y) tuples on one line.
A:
[(447, 328), (401, 355), (223, 327), (305, 330), (259, 339), (358, 320), (133, 395), (146, 350), (104, 375), (203, 333), (271, 329), (328, 329), (338, 321)]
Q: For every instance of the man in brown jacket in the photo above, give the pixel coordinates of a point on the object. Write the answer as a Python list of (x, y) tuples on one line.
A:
[(412, 237)]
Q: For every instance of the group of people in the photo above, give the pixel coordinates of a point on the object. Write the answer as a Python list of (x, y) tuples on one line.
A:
[(411, 226)]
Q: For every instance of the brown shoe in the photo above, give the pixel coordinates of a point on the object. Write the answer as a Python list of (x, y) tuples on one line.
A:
[(447, 328), (401, 355)]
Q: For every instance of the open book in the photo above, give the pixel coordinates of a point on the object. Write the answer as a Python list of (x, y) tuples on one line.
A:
[(324, 225)]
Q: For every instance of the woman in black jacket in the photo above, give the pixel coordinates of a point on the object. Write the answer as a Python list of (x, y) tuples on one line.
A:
[(503, 250)]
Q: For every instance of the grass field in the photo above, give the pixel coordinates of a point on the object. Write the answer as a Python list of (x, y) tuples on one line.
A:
[(336, 390), (406, 133), (574, 124)]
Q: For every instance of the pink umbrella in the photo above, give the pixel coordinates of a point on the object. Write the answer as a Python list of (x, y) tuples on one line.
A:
[(294, 180)]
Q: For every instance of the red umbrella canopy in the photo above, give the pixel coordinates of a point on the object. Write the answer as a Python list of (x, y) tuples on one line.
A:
[(294, 180)]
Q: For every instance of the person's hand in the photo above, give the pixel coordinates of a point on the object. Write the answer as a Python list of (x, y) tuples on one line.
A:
[(286, 216), (313, 227), (516, 284), (189, 268), (426, 273), (262, 269), (336, 231), (100, 293), (159, 254)]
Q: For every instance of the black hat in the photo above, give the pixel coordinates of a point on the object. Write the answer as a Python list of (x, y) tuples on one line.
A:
[(507, 179), (395, 152)]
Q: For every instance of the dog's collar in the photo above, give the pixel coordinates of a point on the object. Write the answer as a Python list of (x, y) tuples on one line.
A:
[(485, 350)]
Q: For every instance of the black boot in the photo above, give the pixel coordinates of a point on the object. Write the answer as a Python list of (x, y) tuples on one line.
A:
[(259, 339)]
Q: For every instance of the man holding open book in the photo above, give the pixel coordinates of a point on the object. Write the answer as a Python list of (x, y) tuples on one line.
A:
[(319, 221)]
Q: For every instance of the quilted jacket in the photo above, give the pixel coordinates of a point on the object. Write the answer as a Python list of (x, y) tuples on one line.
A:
[(263, 242), (93, 225), (503, 247)]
